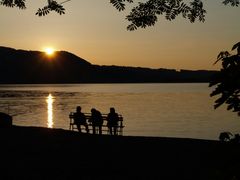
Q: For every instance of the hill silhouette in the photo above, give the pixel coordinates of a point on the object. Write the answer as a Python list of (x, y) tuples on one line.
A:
[(21, 66)]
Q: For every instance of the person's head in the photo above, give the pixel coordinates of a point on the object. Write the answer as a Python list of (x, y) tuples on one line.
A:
[(112, 110), (93, 110), (78, 108)]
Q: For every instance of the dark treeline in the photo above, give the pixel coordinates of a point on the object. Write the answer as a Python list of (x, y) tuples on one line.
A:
[(20, 66)]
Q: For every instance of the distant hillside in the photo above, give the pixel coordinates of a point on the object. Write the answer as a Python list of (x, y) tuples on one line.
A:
[(21, 66)]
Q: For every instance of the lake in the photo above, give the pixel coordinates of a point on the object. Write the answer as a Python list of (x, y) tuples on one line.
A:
[(161, 109)]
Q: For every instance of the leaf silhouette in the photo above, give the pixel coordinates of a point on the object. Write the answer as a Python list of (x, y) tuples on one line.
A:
[(12, 3), (227, 81), (221, 56), (131, 27), (232, 2), (146, 13), (237, 46), (120, 4), (52, 6)]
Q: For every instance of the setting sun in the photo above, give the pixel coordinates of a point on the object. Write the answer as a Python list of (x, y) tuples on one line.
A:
[(49, 51)]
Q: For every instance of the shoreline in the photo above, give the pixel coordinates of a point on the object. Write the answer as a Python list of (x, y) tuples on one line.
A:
[(43, 153)]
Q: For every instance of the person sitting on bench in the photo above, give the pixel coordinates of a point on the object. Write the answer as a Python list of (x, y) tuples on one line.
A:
[(80, 119), (112, 121), (96, 120)]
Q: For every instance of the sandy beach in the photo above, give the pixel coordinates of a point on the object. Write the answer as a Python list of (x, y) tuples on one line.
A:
[(42, 153)]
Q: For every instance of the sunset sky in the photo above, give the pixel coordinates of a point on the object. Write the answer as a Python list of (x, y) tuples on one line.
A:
[(96, 31)]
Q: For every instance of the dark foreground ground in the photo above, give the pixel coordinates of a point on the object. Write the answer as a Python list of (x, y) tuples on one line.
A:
[(41, 153)]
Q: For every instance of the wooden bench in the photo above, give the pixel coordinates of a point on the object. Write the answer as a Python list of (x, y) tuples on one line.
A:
[(73, 126)]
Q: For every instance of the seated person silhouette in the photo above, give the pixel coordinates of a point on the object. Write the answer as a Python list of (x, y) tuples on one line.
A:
[(112, 121), (96, 120), (80, 119)]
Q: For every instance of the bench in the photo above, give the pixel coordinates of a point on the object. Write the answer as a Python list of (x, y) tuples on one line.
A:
[(72, 125)]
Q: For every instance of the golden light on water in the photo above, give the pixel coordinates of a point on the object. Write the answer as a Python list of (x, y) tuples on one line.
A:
[(50, 101)]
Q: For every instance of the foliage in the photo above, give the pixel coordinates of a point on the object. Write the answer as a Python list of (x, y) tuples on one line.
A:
[(14, 3), (120, 4), (146, 13), (232, 2), (52, 6), (227, 80), (142, 15)]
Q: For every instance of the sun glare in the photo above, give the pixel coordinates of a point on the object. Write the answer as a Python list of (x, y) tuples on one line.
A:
[(49, 51)]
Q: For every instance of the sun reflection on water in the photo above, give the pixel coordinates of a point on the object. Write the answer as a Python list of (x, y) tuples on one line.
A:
[(50, 101)]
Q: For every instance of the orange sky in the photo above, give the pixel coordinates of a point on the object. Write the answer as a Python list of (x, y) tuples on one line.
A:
[(96, 31)]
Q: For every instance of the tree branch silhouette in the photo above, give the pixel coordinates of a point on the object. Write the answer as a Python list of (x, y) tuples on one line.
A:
[(146, 14), (52, 6), (227, 80), (13, 3), (143, 15)]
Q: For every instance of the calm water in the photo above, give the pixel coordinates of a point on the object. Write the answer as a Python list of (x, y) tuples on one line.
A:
[(171, 110)]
